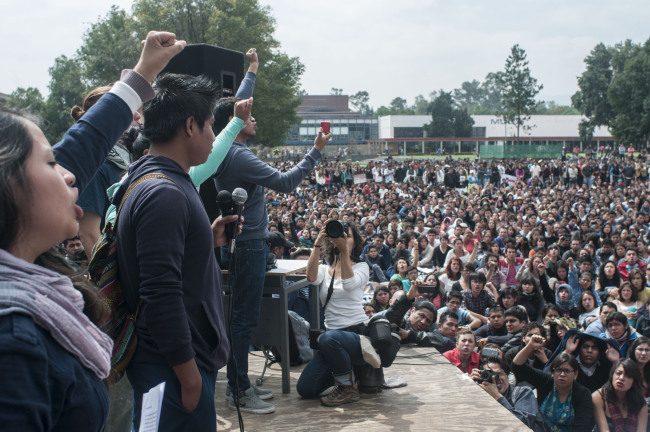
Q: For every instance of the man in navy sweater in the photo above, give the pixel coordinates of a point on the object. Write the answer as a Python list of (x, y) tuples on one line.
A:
[(166, 259), (241, 168)]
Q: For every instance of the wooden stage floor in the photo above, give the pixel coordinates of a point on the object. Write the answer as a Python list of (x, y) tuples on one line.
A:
[(437, 398)]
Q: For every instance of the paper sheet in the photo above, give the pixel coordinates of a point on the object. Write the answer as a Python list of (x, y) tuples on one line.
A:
[(151, 406)]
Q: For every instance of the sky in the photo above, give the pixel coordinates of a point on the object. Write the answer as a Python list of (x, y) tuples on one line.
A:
[(388, 48)]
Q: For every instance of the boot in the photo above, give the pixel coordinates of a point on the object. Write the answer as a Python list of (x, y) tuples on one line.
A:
[(341, 394)]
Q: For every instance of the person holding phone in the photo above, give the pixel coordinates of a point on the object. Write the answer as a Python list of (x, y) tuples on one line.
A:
[(241, 168)]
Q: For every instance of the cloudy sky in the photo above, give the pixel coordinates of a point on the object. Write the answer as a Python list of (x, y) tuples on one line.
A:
[(389, 48)]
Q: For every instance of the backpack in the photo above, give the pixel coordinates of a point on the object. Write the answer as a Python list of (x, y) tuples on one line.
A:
[(119, 322), (299, 350)]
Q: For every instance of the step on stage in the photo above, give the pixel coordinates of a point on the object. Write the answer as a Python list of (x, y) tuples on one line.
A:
[(437, 398)]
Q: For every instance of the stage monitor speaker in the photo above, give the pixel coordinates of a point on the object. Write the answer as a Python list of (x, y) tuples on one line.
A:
[(223, 66)]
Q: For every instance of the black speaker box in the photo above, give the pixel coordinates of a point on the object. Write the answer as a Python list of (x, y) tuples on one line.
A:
[(223, 66)]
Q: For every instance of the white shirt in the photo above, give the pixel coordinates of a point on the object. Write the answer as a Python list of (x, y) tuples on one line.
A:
[(344, 307)]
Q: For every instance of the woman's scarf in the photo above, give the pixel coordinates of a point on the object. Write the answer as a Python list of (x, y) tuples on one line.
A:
[(623, 339), (558, 416), (621, 424), (55, 305)]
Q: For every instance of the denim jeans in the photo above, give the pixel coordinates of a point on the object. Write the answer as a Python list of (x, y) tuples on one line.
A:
[(248, 282), (173, 416), (339, 352)]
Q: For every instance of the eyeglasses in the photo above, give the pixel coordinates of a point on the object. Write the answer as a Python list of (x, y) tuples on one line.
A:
[(563, 371)]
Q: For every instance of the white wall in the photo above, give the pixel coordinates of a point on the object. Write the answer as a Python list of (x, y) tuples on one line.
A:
[(537, 126)]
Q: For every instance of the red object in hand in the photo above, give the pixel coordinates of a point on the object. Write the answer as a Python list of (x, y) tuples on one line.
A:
[(326, 126)]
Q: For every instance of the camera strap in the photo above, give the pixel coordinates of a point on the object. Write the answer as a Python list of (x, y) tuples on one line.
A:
[(330, 290)]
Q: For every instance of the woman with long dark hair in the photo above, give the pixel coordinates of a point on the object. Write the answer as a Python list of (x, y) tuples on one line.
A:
[(53, 356), (342, 281), (587, 306), (609, 278), (380, 298), (640, 353), (530, 297), (620, 405)]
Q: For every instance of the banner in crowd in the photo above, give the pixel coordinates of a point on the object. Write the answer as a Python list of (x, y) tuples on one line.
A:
[(509, 179), (359, 178)]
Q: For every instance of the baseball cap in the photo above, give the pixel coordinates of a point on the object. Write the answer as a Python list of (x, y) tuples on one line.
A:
[(276, 238)]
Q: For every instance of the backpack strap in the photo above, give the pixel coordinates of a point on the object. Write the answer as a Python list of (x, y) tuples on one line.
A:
[(135, 184), (132, 186)]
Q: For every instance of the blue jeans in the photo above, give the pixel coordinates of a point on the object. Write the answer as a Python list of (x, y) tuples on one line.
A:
[(173, 416), (339, 352), (248, 282)]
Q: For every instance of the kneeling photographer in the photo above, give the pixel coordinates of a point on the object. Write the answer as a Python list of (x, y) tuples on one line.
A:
[(345, 344), (342, 282), (519, 400)]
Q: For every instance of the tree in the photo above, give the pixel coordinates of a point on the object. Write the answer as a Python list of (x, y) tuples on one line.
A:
[(629, 96), (470, 95), (586, 132), (447, 120), (592, 99), (421, 105), (359, 102), (493, 91), (66, 90), (113, 43), (29, 99), (615, 90), (552, 108), (519, 89), (109, 46), (336, 91), (398, 104)]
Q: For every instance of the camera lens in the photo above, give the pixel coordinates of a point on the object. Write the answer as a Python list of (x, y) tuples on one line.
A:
[(334, 229)]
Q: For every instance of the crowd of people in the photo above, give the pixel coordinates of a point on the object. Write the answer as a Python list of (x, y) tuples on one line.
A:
[(539, 265), (525, 274)]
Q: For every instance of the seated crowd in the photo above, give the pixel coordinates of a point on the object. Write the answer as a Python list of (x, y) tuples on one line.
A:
[(542, 280)]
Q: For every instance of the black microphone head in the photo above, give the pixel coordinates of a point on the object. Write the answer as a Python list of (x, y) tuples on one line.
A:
[(224, 197), (239, 196)]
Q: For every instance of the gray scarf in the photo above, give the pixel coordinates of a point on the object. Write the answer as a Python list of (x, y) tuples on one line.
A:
[(55, 305), (120, 156)]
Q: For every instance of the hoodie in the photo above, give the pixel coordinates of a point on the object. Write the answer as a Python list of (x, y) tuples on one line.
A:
[(600, 374), (166, 257), (566, 306)]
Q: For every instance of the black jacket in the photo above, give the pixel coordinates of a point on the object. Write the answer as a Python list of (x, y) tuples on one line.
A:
[(543, 382), (430, 338)]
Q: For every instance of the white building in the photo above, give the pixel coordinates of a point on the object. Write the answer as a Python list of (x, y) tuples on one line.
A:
[(553, 127)]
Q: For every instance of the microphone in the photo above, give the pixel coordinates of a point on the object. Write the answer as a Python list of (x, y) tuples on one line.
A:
[(239, 197)]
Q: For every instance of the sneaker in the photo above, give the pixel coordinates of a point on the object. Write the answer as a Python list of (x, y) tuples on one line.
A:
[(341, 394), (250, 402), (263, 394)]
